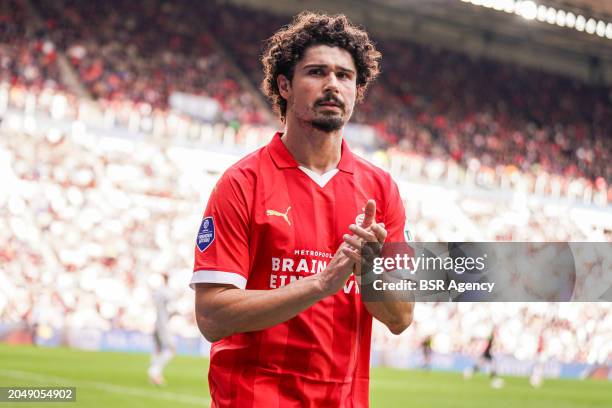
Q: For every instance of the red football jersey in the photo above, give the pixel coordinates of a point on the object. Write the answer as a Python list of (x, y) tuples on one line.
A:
[(269, 222)]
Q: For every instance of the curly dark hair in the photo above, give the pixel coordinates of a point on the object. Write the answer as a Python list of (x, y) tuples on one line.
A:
[(287, 46)]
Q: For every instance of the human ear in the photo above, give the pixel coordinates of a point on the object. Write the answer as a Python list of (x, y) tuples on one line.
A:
[(284, 86)]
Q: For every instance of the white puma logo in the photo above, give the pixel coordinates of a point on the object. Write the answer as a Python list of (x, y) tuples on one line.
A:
[(280, 214)]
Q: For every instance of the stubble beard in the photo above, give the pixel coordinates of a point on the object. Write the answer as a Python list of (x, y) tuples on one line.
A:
[(328, 124), (328, 121)]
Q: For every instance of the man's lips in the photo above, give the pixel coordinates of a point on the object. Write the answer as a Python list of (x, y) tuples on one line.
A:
[(330, 104)]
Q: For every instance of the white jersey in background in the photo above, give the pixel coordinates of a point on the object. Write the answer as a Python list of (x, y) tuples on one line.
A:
[(163, 343)]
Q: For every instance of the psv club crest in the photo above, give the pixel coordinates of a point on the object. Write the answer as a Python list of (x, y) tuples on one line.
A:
[(206, 234)]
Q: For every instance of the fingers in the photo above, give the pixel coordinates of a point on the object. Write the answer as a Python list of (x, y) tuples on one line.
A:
[(352, 240), (368, 231), (340, 252), (374, 233), (369, 213), (356, 242), (365, 234), (352, 254), (380, 232)]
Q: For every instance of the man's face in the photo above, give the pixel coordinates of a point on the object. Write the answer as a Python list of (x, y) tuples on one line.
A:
[(323, 89)]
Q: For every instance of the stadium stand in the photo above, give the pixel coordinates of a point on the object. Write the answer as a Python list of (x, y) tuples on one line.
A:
[(28, 58), (571, 332), (159, 49), (432, 102), (103, 193), (428, 101)]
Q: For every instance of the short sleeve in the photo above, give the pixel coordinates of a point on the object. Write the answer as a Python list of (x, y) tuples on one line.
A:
[(222, 250), (395, 216)]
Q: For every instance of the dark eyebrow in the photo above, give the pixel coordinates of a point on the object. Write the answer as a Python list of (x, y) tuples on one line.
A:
[(309, 66)]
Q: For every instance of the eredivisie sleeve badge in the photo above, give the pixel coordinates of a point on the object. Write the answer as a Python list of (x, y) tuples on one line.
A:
[(206, 234)]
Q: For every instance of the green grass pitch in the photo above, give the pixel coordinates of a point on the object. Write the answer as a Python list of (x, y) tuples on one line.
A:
[(105, 379)]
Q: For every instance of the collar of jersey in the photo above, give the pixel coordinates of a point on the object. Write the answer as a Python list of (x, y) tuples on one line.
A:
[(283, 159)]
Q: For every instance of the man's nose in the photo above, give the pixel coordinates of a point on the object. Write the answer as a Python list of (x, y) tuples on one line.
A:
[(331, 82)]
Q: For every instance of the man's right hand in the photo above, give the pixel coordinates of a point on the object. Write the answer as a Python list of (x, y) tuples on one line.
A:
[(334, 277)]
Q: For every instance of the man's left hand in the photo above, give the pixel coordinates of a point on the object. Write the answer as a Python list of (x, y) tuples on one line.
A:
[(369, 231)]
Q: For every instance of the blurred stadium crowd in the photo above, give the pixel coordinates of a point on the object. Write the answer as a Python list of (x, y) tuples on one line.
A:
[(428, 101), (570, 332), (103, 183), (432, 102)]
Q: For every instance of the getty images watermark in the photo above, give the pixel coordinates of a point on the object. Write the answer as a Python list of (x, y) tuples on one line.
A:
[(487, 271)]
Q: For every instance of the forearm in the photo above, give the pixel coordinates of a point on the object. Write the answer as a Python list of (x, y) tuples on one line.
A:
[(223, 311), (394, 310), (395, 314)]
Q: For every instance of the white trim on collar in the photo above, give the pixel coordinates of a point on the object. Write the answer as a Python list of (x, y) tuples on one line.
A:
[(320, 179)]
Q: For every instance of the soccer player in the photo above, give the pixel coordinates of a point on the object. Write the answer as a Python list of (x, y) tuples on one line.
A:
[(485, 363), (164, 346), (426, 350), (278, 246), (537, 372)]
